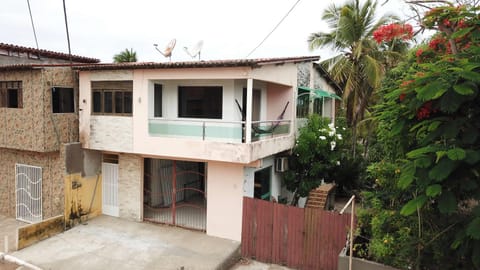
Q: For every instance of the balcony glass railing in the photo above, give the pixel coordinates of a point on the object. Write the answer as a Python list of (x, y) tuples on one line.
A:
[(215, 130), (268, 129)]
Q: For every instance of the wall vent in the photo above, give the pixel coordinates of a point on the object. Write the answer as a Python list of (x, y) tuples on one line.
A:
[(281, 164)]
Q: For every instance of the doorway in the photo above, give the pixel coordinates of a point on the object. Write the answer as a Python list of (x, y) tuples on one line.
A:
[(174, 193), (110, 204), (262, 179)]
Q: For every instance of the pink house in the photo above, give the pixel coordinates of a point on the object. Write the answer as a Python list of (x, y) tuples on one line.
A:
[(182, 143)]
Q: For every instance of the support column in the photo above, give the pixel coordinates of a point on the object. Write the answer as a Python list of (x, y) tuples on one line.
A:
[(248, 119), (312, 86)]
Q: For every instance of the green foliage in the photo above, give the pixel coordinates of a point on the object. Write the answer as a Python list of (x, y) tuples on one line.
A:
[(359, 66), (430, 113), (127, 55), (320, 152)]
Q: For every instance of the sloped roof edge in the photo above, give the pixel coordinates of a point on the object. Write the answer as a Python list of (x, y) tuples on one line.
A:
[(47, 53), (199, 64)]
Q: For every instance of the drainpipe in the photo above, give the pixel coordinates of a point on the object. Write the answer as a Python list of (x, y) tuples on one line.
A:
[(18, 261)]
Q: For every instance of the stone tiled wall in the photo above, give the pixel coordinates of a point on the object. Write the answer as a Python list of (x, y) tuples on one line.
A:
[(130, 186), (105, 130), (53, 169), (34, 127)]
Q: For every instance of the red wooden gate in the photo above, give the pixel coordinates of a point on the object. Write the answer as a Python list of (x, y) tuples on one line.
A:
[(296, 237)]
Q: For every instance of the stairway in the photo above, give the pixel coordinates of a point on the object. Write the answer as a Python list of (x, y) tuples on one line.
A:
[(319, 197)]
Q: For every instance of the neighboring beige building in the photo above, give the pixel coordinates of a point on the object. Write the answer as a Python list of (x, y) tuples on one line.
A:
[(38, 121), (183, 142)]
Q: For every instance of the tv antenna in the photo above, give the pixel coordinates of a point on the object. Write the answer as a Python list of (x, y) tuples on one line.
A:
[(196, 50), (168, 50)]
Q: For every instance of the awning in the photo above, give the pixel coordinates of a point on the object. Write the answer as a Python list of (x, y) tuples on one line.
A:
[(319, 93)]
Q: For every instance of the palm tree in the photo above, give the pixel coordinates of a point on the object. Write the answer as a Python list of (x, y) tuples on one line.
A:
[(358, 67), (125, 56)]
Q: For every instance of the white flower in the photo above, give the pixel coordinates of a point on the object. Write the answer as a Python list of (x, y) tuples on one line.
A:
[(331, 126), (331, 133), (338, 163), (322, 138), (339, 136), (332, 145), (344, 128)]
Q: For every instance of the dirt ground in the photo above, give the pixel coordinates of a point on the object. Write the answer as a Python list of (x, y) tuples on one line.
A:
[(4, 265), (247, 264)]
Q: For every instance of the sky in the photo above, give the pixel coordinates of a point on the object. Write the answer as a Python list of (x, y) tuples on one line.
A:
[(230, 29)]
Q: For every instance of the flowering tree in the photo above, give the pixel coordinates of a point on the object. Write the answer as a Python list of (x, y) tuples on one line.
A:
[(435, 107), (317, 155), (393, 31)]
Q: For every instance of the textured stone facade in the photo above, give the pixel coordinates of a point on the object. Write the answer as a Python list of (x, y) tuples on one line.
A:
[(130, 186), (34, 127), (34, 135), (53, 169)]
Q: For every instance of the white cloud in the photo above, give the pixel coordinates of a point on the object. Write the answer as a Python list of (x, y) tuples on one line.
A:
[(230, 29)]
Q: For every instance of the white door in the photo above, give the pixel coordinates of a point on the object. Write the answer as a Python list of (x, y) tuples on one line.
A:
[(110, 189)]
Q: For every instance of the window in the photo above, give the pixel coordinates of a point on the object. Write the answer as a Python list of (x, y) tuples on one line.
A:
[(200, 102), (11, 94), (112, 97), (62, 100), (318, 106), (157, 100)]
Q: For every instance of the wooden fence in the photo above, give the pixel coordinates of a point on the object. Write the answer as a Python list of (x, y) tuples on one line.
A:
[(301, 238)]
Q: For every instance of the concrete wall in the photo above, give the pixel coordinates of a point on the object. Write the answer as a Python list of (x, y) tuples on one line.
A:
[(34, 127), (130, 186), (53, 168), (96, 131), (80, 194), (275, 181), (359, 264), (224, 200)]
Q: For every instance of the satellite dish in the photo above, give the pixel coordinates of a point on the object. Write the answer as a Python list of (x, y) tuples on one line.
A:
[(168, 50), (193, 52)]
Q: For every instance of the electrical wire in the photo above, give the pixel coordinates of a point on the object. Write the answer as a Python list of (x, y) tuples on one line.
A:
[(33, 25), (273, 30), (68, 35)]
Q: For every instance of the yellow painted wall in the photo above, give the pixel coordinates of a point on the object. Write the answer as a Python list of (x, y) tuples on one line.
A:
[(79, 199)]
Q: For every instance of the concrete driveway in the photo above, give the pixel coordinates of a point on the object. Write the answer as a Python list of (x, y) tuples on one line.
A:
[(112, 243), (8, 231)]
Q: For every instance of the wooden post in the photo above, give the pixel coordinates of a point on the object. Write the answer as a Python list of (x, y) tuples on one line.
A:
[(350, 259)]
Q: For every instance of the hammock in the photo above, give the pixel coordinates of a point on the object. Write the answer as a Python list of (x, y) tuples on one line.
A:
[(259, 130)]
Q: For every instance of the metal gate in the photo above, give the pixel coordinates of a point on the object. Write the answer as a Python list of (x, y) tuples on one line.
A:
[(110, 189), (28, 191), (174, 193)]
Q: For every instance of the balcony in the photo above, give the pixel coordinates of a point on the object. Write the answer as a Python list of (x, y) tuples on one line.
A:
[(217, 130)]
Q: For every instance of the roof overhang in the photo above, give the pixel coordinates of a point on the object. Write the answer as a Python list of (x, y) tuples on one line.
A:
[(319, 93), (252, 63)]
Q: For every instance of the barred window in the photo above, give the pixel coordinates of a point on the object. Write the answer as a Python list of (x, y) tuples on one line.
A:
[(11, 94)]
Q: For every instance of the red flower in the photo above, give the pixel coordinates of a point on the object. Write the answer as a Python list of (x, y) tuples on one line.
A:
[(424, 111), (419, 52), (393, 31), (402, 96), (406, 83), (446, 22)]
